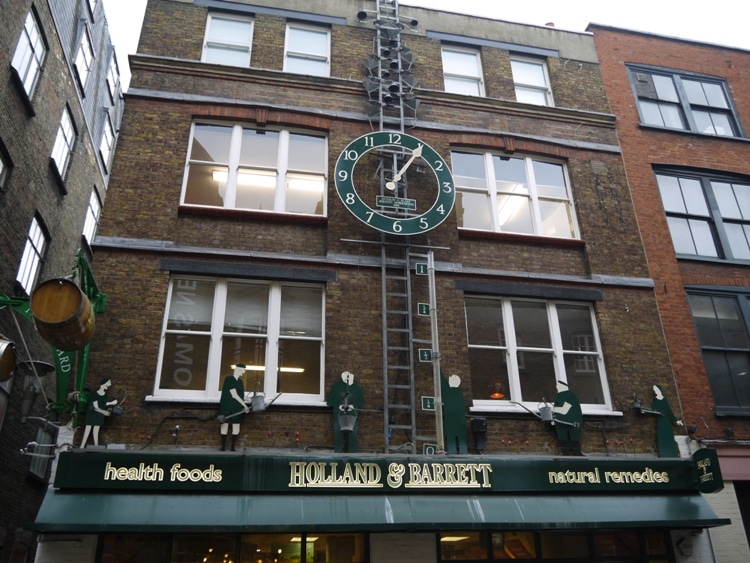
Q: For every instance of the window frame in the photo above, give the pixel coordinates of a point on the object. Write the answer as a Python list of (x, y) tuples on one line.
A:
[(215, 374), (84, 59), (477, 79), (310, 56), (742, 299), (218, 46), (113, 77), (717, 223), (281, 171), (93, 214), (28, 63), (62, 150), (513, 356), (491, 191), (546, 90), (107, 143), (6, 166), (686, 109), (32, 258)]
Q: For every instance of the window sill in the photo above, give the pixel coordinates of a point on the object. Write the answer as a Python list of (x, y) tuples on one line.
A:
[(650, 127), (214, 401), (517, 237), (720, 411), (221, 212), (22, 91), (58, 178), (504, 407)]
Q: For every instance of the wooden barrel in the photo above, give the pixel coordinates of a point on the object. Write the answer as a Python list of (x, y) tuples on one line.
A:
[(7, 359), (63, 315)]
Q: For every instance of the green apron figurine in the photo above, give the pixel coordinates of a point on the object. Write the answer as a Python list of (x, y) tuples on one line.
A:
[(345, 397), (97, 410), (232, 404), (664, 433), (454, 415), (568, 420)]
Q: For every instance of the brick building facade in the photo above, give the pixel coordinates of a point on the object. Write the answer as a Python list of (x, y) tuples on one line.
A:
[(232, 236), (695, 152), (60, 108)]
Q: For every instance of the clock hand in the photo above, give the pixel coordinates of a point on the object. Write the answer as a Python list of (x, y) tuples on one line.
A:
[(416, 153)]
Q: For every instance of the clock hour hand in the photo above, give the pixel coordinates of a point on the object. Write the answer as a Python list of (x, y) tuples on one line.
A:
[(416, 153)]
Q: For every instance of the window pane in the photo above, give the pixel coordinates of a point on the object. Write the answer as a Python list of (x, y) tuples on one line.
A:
[(525, 72), (703, 238), (695, 92), (672, 116), (247, 308), (191, 305), (185, 362), (484, 322), (729, 376), (460, 63), (211, 143), (469, 170), (196, 547), (695, 199), (514, 214), (510, 174), (564, 544), (244, 350), (529, 96), (682, 238), (464, 546), (259, 148), (335, 548), (299, 366), (305, 193), (616, 542), (256, 189), (465, 86), (650, 112), (206, 185), (232, 56), (739, 242), (556, 219), (306, 65), (715, 95), (307, 153), (236, 32), (302, 40), (665, 89), (268, 548), (722, 124), (489, 373), (473, 210), (537, 375), (728, 205), (671, 194), (301, 311), (513, 545), (550, 179), (532, 324), (703, 122)]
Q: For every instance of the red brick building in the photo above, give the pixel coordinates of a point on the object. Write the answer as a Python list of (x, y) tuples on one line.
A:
[(682, 111)]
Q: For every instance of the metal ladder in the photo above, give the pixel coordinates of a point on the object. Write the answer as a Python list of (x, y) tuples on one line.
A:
[(390, 87)]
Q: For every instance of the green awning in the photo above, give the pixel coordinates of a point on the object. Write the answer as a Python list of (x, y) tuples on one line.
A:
[(122, 512)]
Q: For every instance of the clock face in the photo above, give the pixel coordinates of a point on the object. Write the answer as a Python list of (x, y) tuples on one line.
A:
[(390, 208)]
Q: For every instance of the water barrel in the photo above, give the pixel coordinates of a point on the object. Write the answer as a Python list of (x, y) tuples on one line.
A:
[(63, 315), (7, 358)]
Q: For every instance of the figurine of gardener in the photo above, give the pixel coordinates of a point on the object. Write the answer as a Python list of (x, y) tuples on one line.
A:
[(232, 405), (664, 433), (568, 420), (454, 415), (96, 410), (346, 397)]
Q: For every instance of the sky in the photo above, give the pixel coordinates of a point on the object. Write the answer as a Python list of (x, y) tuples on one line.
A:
[(721, 25)]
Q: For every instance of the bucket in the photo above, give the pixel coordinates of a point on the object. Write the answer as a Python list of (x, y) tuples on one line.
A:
[(258, 402), (63, 315), (545, 413), (347, 422), (7, 359)]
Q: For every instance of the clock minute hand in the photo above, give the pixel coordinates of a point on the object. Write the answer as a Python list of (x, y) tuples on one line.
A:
[(416, 153)]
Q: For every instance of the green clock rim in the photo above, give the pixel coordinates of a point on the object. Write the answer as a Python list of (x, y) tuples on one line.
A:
[(384, 223)]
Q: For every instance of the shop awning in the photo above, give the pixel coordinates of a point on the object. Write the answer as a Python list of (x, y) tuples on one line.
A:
[(121, 512)]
